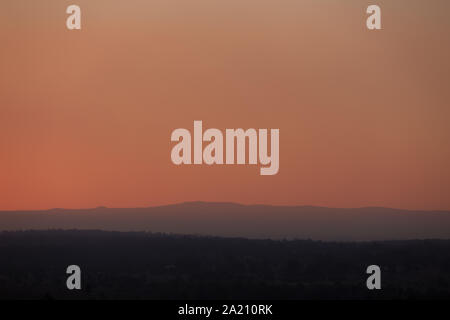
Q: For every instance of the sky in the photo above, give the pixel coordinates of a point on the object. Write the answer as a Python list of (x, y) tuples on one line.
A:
[(86, 116)]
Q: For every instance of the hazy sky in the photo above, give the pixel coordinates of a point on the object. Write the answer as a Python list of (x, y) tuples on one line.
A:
[(86, 116)]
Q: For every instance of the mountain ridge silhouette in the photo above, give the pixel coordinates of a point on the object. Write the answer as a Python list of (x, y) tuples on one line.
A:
[(231, 219)]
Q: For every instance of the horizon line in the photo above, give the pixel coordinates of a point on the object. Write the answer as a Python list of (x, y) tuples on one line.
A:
[(224, 203)]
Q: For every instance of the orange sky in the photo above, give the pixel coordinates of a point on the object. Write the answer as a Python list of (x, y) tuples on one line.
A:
[(86, 116)]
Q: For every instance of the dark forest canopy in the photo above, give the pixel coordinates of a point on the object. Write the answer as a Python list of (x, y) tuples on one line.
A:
[(161, 266)]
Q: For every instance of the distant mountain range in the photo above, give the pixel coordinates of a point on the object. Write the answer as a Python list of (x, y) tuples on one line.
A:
[(249, 221)]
